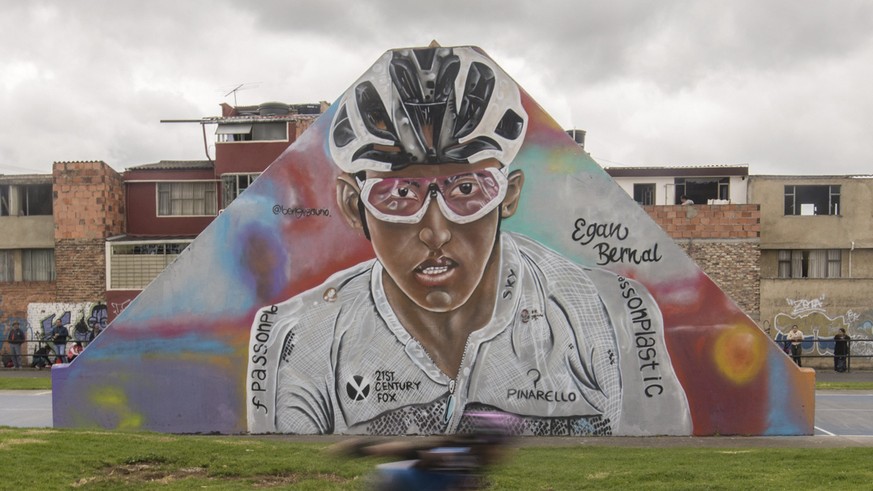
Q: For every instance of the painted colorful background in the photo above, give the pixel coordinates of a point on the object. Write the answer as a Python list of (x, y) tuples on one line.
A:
[(175, 359)]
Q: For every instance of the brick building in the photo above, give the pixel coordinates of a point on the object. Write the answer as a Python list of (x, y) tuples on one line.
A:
[(788, 249), (27, 243), (80, 243), (51, 250), (171, 202), (724, 240), (721, 232)]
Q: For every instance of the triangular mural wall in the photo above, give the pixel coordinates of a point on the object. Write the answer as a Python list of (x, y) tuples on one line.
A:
[(504, 271)]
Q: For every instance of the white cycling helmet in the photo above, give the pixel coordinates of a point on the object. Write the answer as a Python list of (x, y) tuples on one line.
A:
[(428, 106)]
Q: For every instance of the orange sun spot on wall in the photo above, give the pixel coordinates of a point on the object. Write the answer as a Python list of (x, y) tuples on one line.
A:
[(740, 353)]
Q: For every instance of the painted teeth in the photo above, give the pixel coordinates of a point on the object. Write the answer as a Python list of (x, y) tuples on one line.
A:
[(435, 270)]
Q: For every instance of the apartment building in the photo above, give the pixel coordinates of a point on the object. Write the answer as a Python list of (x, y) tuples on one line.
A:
[(54, 226), (809, 262), (817, 256), (720, 232)]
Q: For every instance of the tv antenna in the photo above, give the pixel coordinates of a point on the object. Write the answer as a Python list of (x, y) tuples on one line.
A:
[(240, 87)]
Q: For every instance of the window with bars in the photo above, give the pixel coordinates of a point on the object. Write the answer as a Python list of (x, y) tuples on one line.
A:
[(810, 263), (187, 199), (132, 266), (38, 265), (644, 194), (244, 132), (234, 184)]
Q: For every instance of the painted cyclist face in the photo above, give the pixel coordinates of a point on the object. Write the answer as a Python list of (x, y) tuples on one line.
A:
[(434, 228)]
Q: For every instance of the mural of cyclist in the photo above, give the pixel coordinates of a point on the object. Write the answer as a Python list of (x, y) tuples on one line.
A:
[(453, 316)]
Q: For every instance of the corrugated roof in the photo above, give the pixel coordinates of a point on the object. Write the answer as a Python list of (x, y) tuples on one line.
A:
[(25, 179), (175, 165), (258, 119), (683, 171)]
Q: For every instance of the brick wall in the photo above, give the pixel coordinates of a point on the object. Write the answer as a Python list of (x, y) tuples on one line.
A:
[(708, 221), (733, 265), (88, 201), (724, 240), (81, 270), (14, 298), (88, 208)]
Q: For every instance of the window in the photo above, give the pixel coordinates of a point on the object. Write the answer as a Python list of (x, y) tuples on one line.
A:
[(38, 264), (810, 263), (7, 266), (132, 266), (252, 132), (702, 189), (4, 201), (37, 199), (644, 194), (26, 200), (233, 185), (186, 199), (812, 200)]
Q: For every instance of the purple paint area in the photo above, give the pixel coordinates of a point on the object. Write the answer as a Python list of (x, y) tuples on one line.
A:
[(182, 396)]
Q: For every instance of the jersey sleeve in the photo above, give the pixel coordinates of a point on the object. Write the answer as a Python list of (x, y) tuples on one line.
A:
[(286, 390)]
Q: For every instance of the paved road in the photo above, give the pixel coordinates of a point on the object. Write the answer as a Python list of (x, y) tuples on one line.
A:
[(844, 413), (26, 408), (838, 413)]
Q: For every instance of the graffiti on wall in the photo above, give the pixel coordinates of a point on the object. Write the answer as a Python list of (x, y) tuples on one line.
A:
[(84, 320), (819, 326), (434, 246)]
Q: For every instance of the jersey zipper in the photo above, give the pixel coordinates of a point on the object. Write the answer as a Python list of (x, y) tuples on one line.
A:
[(453, 383)]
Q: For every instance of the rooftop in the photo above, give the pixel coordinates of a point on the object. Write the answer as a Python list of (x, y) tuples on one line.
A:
[(683, 171), (175, 165)]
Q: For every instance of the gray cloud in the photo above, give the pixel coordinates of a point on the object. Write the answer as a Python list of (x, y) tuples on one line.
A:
[(779, 85)]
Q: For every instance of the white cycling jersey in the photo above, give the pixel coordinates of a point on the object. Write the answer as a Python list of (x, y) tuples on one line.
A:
[(569, 350)]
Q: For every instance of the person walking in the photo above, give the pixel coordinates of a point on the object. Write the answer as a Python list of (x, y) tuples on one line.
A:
[(15, 338), (796, 337)]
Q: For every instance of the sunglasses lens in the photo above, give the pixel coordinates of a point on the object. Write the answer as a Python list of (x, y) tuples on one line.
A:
[(467, 194), (397, 197), (464, 194)]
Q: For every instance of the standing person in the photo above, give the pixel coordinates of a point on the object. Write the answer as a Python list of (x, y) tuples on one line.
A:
[(685, 200), (15, 338), (796, 337), (841, 350), (59, 338)]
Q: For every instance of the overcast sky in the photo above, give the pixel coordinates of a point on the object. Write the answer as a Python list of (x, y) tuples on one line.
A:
[(783, 86)]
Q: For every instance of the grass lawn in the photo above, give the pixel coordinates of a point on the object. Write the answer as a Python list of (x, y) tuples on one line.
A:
[(25, 383), (64, 459), (844, 385)]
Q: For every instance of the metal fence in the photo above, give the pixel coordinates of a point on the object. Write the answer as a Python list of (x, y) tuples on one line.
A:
[(31, 353), (819, 352)]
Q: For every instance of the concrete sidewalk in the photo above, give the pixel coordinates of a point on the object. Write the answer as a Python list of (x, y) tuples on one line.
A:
[(853, 376)]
